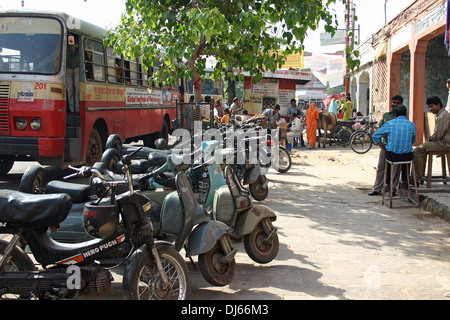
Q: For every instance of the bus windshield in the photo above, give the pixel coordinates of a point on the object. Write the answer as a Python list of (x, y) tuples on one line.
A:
[(30, 45)]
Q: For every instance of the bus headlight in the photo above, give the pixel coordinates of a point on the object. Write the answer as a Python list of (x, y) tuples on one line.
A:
[(35, 124), (21, 123)]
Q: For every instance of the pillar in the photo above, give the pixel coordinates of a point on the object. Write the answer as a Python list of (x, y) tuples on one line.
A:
[(418, 51)]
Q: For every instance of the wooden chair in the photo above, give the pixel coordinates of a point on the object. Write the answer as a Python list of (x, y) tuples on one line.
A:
[(445, 164)]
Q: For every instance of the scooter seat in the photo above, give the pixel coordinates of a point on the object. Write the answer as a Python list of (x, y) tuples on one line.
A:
[(78, 192), (139, 165), (157, 159), (32, 211)]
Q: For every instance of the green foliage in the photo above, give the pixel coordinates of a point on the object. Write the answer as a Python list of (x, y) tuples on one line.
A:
[(179, 35)]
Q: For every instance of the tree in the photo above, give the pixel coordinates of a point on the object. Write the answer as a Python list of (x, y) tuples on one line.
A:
[(179, 35)]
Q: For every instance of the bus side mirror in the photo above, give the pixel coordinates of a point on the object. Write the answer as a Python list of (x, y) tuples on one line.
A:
[(71, 40)]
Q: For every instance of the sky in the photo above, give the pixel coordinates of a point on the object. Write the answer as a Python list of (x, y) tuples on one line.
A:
[(107, 13)]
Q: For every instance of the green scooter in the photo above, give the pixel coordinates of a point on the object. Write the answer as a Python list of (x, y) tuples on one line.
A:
[(233, 206)]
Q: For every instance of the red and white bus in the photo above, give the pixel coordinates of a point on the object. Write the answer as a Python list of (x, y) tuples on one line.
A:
[(62, 93)]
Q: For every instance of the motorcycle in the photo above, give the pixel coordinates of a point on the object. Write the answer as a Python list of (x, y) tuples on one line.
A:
[(154, 271), (249, 172), (233, 206)]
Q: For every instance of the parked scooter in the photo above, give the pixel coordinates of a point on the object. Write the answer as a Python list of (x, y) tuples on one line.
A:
[(253, 222), (155, 271), (202, 236), (199, 234)]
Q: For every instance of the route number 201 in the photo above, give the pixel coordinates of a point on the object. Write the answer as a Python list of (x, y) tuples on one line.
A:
[(40, 86)]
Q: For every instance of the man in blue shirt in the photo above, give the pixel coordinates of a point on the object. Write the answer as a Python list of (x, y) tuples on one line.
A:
[(401, 135)]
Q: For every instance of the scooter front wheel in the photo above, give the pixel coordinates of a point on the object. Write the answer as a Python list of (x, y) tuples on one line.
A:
[(142, 280), (214, 268), (260, 246)]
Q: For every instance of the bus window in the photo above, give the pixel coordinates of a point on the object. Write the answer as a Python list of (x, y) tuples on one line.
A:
[(93, 60), (31, 44), (115, 69), (142, 76), (131, 75)]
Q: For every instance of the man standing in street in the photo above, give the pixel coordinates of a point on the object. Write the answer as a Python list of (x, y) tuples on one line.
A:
[(379, 179), (401, 135), (272, 116), (439, 140)]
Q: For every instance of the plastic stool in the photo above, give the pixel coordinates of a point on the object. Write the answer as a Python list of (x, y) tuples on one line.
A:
[(409, 164)]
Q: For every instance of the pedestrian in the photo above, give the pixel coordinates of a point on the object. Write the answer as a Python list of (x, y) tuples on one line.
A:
[(219, 107), (379, 178), (347, 108), (217, 115), (401, 135), (312, 115), (333, 106), (438, 141)]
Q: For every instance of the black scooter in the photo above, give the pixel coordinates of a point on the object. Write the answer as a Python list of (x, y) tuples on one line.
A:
[(154, 271)]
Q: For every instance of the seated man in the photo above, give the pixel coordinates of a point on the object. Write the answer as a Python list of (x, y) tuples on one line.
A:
[(401, 134), (295, 130), (439, 140)]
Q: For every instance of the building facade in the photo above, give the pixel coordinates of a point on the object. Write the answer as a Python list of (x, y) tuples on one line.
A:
[(407, 57)]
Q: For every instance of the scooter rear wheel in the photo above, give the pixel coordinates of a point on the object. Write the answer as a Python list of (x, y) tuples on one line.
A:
[(257, 191), (213, 269), (19, 262)]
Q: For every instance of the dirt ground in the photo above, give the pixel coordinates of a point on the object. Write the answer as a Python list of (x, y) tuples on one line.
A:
[(343, 163)]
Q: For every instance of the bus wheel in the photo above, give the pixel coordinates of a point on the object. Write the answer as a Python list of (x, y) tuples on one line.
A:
[(94, 148), (149, 139), (165, 132), (6, 163)]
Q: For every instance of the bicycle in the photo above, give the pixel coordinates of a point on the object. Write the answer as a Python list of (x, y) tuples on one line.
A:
[(342, 132), (361, 140)]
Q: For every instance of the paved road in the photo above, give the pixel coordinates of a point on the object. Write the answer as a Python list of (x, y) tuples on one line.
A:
[(338, 243)]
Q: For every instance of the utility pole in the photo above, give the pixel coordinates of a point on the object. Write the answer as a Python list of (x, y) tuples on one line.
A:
[(347, 45)]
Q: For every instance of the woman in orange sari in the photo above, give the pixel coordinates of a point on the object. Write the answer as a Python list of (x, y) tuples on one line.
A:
[(312, 115)]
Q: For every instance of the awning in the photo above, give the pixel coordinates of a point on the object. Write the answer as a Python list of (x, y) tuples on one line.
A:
[(381, 51)]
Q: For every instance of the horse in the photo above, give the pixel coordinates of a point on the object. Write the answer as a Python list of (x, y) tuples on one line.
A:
[(327, 122)]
